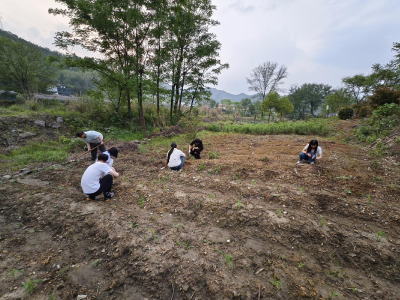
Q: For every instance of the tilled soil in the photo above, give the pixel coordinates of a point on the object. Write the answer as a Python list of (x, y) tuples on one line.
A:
[(250, 224)]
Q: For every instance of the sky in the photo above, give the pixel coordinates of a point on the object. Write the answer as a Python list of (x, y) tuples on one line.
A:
[(319, 41)]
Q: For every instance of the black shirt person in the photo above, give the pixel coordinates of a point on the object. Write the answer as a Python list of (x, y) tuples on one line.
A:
[(195, 148)]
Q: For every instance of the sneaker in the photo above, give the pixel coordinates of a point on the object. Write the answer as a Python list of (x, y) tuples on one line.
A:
[(92, 199), (299, 162), (180, 170), (108, 195), (311, 163)]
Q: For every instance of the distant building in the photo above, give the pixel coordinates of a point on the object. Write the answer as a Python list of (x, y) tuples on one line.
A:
[(8, 95), (63, 91)]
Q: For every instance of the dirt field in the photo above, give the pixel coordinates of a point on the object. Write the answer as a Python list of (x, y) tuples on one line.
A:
[(250, 224)]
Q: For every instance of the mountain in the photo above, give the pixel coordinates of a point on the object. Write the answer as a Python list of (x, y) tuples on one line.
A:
[(219, 95), (16, 38)]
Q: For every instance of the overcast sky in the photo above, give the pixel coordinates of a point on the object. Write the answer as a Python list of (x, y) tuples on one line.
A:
[(320, 41)]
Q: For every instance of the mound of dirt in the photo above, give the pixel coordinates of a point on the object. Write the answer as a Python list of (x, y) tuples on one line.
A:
[(169, 132)]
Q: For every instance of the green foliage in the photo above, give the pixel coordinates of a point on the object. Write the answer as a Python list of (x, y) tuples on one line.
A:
[(313, 127), (276, 283), (185, 244), (386, 110), (14, 273), (338, 99), (97, 262), (384, 95), (227, 257), (30, 285), (141, 201), (345, 113), (284, 107), (213, 154), (24, 69), (270, 103), (359, 86), (381, 235)]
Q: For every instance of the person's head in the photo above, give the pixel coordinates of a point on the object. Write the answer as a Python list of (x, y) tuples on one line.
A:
[(113, 151), (312, 146), (197, 142), (174, 145), (102, 158), (80, 134)]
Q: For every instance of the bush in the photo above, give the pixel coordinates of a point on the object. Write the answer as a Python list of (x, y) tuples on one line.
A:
[(386, 110), (346, 113), (384, 95), (364, 111)]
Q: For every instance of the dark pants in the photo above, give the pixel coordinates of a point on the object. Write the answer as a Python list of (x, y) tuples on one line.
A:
[(105, 186), (94, 151), (306, 157), (195, 153)]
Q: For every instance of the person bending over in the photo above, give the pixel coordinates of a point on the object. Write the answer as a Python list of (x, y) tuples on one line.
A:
[(92, 139), (112, 152), (195, 148), (175, 158), (98, 179), (311, 152)]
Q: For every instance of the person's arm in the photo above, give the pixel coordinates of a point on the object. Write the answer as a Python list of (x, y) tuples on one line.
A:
[(319, 155), (88, 146), (190, 147), (114, 173), (305, 151), (101, 140)]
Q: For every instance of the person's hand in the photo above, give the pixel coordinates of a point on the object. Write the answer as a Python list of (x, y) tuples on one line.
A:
[(309, 155), (89, 149)]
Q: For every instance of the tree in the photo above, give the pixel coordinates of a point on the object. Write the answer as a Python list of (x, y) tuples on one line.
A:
[(308, 98), (284, 107), (24, 69), (359, 86), (266, 78), (270, 103), (246, 102), (338, 99), (212, 103)]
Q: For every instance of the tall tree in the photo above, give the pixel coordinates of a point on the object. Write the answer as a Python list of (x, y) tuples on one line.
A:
[(24, 69), (270, 103), (339, 98), (359, 86), (308, 98), (284, 107), (266, 78)]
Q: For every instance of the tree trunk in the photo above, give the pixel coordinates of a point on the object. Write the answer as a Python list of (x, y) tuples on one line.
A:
[(180, 98), (140, 101)]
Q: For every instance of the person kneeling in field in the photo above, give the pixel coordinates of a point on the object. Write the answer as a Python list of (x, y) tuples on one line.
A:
[(311, 152), (112, 152), (175, 158), (98, 179), (195, 148)]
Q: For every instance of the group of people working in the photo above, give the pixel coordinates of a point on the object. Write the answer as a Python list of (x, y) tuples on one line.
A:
[(98, 177)]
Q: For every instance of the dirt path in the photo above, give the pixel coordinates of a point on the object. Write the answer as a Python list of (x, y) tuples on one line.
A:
[(282, 231)]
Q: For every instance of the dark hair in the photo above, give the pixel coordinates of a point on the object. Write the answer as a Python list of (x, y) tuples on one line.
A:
[(173, 146), (312, 143), (79, 134), (103, 157), (113, 151), (197, 141)]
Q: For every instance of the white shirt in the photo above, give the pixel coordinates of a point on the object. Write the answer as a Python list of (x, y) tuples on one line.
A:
[(90, 181), (319, 150), (175, 158)]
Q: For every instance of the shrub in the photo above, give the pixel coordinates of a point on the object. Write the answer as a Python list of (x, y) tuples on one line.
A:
[(345, 113), (384, 95), (386, 110), (364, 111)]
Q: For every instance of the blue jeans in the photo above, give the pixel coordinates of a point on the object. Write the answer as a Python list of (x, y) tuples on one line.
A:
[(307, 158), (177, 168)]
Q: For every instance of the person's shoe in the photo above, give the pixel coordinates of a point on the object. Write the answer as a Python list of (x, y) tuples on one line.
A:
[(311, 163), (108, 195), (299, 162), (92, 199), (180, 170)]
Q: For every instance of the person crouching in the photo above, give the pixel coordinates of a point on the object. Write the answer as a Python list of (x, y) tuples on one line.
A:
[(175, 158), (98, 179)]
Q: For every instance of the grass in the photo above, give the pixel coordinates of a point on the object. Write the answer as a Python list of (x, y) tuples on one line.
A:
[(14, 273), (152, 234), (185, 244), (381, 235), (97, 262), (275, 282), (213, 155), (227, 257), (30, 285), (313, 127)]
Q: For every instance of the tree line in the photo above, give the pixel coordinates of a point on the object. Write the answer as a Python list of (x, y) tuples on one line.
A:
[(161, 49)]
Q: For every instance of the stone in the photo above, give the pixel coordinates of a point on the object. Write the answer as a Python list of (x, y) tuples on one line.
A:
[(60, 120), (55, 126), (185, 287), (236, 294), (26, 172), (6, 177), (40, 123), (25, 135), (81, 297)]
